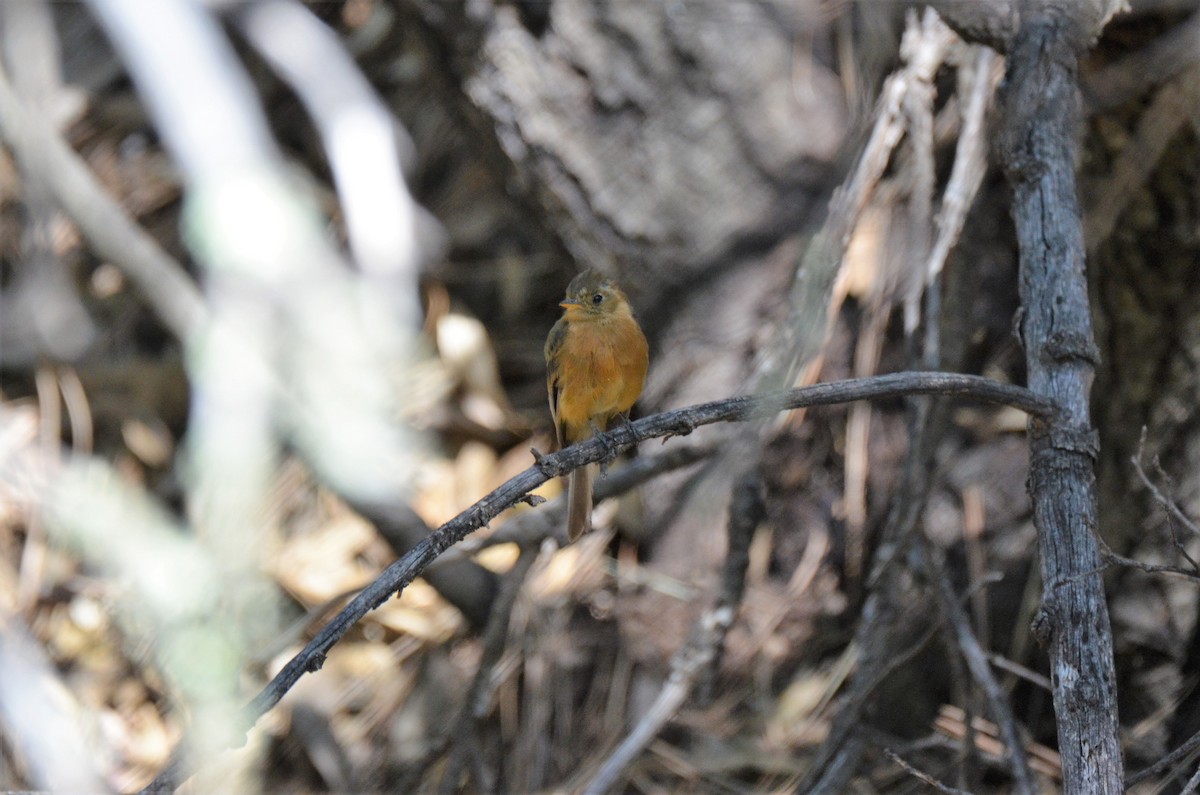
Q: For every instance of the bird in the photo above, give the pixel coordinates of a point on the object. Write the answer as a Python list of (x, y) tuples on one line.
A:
[(596, 363)]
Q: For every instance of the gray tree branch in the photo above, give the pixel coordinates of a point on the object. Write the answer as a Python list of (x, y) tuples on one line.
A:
[(670, 423), (1040, 107)]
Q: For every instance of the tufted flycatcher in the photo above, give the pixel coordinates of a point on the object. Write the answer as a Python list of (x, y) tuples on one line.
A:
[(596, 361)]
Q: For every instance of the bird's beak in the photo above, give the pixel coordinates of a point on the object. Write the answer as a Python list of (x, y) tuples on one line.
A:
[(568, 303)]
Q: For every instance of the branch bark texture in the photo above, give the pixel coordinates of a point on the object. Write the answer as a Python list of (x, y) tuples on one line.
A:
[(1040, 110), (680, 422)]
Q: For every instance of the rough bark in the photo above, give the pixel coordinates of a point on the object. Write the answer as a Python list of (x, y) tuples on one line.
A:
[(654, 143), (1040, 107)]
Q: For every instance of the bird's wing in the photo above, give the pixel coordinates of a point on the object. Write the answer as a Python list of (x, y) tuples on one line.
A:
[(554, 344)]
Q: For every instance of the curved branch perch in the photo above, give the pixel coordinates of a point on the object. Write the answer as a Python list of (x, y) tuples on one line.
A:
[(679, 422)]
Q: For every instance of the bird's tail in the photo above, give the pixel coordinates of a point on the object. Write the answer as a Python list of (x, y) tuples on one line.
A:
[(579, 502)]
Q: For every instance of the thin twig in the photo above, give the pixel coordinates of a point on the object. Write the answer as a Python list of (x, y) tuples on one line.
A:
[(1028, 674), (977, 663), (1111, 558), (1166, 503), (747, 509), (923, 776), (1189, 747)]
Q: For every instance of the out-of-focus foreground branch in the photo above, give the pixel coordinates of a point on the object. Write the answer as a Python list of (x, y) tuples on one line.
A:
[(288, 345)]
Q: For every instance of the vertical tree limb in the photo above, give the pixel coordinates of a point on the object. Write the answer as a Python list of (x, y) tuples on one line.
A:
[(1040, 111)]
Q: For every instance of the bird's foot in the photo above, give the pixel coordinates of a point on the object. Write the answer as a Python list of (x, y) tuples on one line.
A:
[(637, 437), (610, 450)]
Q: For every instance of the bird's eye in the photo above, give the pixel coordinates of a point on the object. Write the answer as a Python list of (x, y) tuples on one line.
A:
[(597, 298)]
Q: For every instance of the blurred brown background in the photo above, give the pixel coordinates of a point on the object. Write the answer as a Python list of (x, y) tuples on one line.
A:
[(691, 148)]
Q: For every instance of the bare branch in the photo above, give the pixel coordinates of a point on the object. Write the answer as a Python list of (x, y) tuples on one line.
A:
[(1037, 148), (922, 776), (672, 423), (977, 662), (1189, 747), (1168, 505)]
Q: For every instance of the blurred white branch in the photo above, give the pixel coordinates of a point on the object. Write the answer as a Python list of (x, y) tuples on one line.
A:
[(290, 345), (108, 229), (41, 717), (361, 137)]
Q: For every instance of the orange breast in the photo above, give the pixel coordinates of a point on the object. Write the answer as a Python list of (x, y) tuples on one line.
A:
[(602, 370)]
